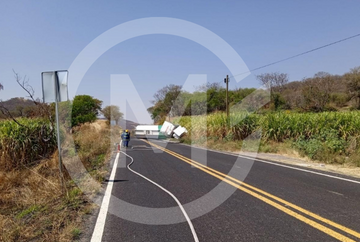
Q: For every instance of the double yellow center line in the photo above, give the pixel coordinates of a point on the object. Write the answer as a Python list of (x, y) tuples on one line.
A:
[(266, 197)]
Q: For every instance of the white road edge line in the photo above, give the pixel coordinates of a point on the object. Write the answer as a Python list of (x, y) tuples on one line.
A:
[(100, 222), (196, 239), (276, 164)]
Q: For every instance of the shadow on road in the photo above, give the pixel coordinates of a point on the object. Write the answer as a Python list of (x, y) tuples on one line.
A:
[(106, 180)]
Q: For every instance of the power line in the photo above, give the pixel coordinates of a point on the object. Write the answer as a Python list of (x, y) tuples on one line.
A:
[(294, 56)]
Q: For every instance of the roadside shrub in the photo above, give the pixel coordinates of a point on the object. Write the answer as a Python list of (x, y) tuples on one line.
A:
[(310, 148), (84, 109), (324, 146)]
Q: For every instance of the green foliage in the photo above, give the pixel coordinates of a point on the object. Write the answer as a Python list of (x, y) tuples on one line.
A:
[(23, 145), (321, 146), (84, 109), (281, 125), (165, 100), (311, 147), (320, 93), (171, 101), (73, 198), (217, 126), (76, 233), (98, 161), (32, 209), (340, 99), (278, 101)]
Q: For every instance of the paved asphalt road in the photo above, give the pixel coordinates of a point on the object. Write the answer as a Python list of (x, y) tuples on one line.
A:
[(274, 203)]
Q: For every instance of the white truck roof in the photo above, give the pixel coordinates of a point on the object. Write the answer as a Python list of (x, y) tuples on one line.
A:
[(148, 127)]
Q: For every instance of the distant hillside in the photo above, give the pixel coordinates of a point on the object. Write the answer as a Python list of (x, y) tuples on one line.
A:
[(15, 102), (18, 107), (127, 124)]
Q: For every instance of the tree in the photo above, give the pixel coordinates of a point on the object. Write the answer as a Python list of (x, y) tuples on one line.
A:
[(207, 98), (216, 96), (317, 92), (179, 105), (112, 112), (321, 74), (164, 100), (275, 82), (353, 84), (1, 87), (84, 109)]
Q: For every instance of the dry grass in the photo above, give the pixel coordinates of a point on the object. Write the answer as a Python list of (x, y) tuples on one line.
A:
[(99, 125), (95, 140), (33, 205)]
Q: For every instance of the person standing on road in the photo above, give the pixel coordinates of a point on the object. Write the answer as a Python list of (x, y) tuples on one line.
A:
[(125, 137)]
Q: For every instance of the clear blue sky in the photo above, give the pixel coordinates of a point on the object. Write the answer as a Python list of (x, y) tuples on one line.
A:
[(39, 36)]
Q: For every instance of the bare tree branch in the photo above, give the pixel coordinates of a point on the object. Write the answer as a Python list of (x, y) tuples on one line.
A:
[(6, 112), (24, 84)]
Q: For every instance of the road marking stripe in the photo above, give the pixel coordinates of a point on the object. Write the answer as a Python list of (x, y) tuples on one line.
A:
[(277, 164), (341, 227), (284, 209), (336, 225), (196, 239), (100, 222)]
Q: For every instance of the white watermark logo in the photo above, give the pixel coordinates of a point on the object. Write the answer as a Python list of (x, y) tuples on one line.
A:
[(221, 49)]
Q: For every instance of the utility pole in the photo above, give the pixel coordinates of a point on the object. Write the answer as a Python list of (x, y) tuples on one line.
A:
[(226, 80)]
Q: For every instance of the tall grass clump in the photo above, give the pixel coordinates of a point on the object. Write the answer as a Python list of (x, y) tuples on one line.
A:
[(25, 144), (276, 126), (280, 126), (325, 136), (217, 126), (93, 145)]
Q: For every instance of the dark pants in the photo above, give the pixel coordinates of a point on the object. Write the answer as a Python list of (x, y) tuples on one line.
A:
[(125, 143)]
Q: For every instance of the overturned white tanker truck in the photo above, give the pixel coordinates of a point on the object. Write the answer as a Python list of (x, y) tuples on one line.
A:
[(166, 130)]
